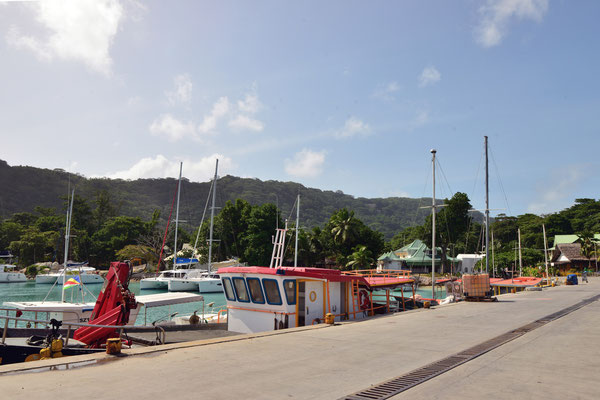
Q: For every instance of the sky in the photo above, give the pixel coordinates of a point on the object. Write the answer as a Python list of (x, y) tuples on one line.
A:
[(336, 95)]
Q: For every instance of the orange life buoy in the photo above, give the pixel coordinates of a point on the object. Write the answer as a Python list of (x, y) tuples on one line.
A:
[(363, 300)]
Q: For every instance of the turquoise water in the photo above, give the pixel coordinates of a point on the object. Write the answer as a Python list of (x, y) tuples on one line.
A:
[(30, 291), (425, 292)]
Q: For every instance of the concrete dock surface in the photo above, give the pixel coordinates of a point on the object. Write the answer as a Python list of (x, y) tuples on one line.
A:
[(556, 361)]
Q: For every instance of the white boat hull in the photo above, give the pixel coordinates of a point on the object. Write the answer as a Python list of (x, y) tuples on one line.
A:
[(11, 277), (183, 285), (86, 279), (210, 285), (153, 284)]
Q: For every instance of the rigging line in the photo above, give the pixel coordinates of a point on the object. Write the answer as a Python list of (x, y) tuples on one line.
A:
[(292, 210), (500, 180), (444, 175), (442, 193), (167, 231), (468, 234), (416, 214), (202, 220), (477, 174), (289, 241)]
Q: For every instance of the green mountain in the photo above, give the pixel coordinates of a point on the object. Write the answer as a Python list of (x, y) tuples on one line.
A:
[(24, 188)]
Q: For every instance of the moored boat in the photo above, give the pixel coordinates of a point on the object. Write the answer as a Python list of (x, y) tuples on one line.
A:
[(8, 274), (262, 298), (88, 275)]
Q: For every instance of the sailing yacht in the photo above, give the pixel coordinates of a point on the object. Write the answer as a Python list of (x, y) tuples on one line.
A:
[(205, 281), (67, 312), (182, 268)]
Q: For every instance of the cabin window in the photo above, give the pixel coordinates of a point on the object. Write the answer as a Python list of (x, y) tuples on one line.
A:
[(239, 284), (289, 285), (272, 291), (228, 289), (256, 293)]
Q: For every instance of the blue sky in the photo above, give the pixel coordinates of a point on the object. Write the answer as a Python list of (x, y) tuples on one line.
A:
[(337, 95)]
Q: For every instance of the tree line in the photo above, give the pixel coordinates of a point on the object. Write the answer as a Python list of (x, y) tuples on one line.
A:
[(241, 230), (457, 232), (245, 231)]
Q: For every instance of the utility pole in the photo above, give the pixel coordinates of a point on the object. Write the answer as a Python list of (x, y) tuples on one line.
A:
[(433, 151), (546, 254)]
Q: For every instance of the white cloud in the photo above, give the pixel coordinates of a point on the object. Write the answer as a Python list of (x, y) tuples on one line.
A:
[(182, 93), (386, 92), (172, 128), (305, 164), (241, 122), (161, 167), (251, 104), (79, 30), (219, 110), (553, 195), (496, 15), (429, 76), (353, 127)]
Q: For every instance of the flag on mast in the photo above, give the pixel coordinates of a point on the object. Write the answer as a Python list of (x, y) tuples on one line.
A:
[(72, 282)]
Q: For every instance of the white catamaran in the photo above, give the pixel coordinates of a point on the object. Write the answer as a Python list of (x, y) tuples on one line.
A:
[(204, 281)]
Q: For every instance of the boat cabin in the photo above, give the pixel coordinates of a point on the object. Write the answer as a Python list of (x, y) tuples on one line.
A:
[(262, 299)]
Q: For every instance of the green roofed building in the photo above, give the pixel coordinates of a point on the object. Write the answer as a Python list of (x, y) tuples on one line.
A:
[(415, 256), (566, 239)]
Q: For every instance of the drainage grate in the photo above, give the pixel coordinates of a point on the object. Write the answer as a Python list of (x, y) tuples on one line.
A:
[(398, 385)]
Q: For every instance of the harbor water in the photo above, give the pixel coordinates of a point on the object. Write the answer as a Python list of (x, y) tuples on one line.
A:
[(30, 291)]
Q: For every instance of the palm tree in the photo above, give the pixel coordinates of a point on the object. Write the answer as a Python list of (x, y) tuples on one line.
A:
[(588, 244), (360, 258), (344, 226)]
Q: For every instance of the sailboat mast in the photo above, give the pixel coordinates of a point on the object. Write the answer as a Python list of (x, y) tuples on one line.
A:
[(212, 216), (520, 257), (177, 215), (433, 151), (493, 261), (67, 237), (487, 210), (546, 254), (297, 227)]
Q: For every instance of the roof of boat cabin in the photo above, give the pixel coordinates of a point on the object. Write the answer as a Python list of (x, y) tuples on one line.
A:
[(333, 275), (522, 281)]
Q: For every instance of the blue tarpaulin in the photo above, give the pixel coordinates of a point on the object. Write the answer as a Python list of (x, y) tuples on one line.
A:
[(181, 260)]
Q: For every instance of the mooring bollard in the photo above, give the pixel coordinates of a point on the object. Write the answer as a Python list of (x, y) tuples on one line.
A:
[(113, 346)]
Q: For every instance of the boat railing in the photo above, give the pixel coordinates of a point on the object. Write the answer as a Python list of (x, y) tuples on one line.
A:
[(69, 326), (6, 312), (373, 273)]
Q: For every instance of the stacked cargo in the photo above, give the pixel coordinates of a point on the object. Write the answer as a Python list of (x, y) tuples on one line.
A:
[(476, 285)]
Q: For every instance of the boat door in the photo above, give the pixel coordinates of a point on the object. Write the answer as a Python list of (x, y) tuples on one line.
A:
[(313, 301)]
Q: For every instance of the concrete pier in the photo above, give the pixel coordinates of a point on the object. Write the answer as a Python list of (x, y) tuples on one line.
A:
[(558, 360)]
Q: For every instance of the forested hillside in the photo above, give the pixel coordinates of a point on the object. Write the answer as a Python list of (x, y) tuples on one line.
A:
[(25, 188)]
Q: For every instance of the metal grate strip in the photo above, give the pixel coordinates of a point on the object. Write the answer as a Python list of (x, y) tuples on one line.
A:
[(404, 382)]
